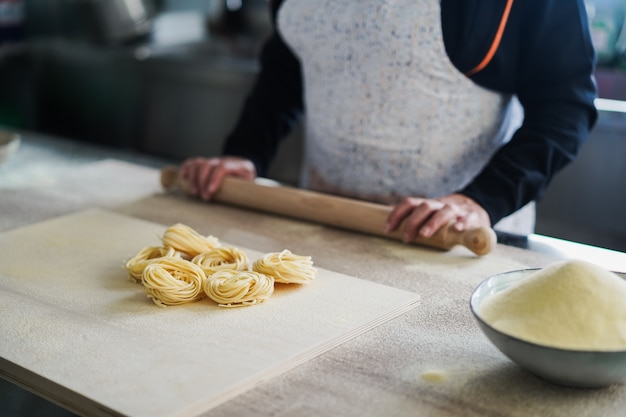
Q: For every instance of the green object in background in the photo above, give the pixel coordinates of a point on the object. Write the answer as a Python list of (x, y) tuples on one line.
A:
[(604, 36), (606, 18)]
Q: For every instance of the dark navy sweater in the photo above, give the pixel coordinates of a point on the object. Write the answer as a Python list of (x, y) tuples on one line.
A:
[(545, 57)]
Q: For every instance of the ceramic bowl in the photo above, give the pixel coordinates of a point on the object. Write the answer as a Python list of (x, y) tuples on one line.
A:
[(573, 368), (9, 142)]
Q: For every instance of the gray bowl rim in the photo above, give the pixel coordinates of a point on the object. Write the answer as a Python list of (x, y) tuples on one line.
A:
[(527, 271)]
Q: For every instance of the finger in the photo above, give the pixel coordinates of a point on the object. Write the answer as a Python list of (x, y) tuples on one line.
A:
[(461, 224), (400, 212), (415, 221), (194, 174), (438, 219), (205, 175), (217, 177), (467, 221), (221, 170)]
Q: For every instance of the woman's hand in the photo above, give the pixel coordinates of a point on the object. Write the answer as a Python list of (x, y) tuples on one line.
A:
[(424, 216), (205, 175)]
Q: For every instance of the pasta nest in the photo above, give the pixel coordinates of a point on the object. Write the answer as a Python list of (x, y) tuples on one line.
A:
[(188, 241), (230, 288), (222, 258), (286, 267), (173, 281), (144, 257)]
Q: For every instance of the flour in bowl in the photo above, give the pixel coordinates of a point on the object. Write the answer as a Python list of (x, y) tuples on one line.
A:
[(570, 304)]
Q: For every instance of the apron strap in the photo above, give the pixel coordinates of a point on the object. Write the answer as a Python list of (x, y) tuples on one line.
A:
[(496, 41)]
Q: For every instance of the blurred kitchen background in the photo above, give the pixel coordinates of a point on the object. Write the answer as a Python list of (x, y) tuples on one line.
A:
[(168, 77)]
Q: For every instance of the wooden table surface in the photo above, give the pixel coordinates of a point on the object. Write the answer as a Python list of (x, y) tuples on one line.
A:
[(431, 361)]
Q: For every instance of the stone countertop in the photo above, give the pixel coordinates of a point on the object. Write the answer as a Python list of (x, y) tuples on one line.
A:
[(51, 169), (386, 371)]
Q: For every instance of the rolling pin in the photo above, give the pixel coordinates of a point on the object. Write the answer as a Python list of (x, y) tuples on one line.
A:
[(341, 212)]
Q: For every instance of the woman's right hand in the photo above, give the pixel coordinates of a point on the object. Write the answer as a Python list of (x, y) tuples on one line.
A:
[(204, 176)]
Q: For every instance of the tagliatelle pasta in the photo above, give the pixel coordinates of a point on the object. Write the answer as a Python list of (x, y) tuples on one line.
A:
[(188, 241), (230, 288), (147, 255), (226, 257), (173, 281), (286, 267), (189, 266)]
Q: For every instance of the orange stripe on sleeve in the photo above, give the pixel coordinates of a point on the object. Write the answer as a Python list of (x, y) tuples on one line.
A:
[(496, 41)]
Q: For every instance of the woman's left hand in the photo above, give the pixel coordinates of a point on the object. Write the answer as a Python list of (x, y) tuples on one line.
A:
[(425, 216)]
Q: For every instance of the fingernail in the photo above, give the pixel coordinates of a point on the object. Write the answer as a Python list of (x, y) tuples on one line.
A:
[(425, 231)]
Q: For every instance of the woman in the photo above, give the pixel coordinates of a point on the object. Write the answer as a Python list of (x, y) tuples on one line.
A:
[(417, 103)]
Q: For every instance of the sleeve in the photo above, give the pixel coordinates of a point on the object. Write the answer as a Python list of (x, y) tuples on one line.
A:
[(555, 84), (273, 107)]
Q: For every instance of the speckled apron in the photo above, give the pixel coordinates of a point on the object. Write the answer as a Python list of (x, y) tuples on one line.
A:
[(387, 113)]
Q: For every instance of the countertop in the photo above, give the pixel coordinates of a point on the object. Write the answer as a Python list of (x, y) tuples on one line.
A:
[(387, 371)]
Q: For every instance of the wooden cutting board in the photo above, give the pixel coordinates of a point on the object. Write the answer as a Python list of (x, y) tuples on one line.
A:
[(77, 331)]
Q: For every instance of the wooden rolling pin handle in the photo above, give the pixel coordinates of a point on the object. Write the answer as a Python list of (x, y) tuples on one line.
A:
[(331, 210), (480, 240), (172, 181)]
